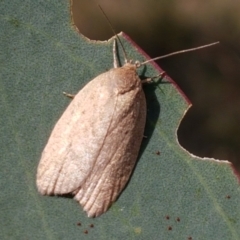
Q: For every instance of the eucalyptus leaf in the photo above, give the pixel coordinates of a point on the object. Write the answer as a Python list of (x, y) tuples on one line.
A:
[(171, 195)]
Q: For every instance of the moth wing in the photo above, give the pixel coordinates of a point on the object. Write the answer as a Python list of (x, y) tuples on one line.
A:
[(77, 139), (117, 158)]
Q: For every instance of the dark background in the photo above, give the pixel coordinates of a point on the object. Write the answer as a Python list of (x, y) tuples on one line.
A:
[(210, 78)]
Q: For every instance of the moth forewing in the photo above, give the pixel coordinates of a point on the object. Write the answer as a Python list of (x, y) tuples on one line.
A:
[(117, 158)]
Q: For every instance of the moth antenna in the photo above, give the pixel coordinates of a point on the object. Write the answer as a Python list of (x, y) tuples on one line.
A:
[(114, 32), (179, 52)]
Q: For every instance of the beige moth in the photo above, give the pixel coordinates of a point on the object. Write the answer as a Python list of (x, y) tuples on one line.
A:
[(94, 146)]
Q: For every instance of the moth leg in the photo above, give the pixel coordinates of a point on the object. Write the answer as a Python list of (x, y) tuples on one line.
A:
[(150, 79), (115, 61), (68, 95)]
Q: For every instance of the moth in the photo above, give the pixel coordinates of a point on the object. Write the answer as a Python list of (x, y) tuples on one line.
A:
[(94, 146)]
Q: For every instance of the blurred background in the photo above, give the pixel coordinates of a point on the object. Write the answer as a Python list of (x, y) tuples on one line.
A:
[(210, 78)]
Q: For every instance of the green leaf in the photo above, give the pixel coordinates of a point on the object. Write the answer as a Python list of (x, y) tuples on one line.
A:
[(171, 195)]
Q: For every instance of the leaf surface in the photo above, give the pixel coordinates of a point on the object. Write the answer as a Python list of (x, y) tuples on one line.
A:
[(171, 195)]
